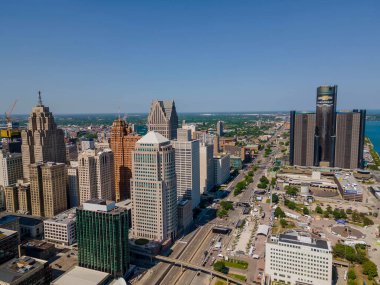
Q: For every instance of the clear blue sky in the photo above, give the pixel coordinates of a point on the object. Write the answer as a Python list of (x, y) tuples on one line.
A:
[(102, 56)]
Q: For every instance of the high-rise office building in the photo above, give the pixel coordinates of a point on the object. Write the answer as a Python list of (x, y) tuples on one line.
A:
[(71, 152), (187, 167), (206, 167), (327, 138), (48, 188), (96, 175), (350, 134), (154, 189), (42, 141), (122, 144), (10, 168), (325, 125), (220, 128), (292, 258), (102, 236), (163, 119), (17, 197), (73, 184), (302, 138)]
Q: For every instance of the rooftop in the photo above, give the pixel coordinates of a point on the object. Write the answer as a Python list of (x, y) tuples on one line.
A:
[(65, 217), (153, 138), (304, 239), (6, 233), (81, 275), (348, 183), (16, 268), (25, 221)]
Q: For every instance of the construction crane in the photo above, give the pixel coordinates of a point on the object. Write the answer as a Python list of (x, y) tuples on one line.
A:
[(12, 129)]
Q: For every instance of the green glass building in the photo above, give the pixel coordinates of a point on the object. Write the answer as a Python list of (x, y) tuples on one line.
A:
[(102, 235)]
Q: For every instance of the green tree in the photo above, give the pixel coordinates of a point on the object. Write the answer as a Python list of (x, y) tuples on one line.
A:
[(326, 214), (283, 223), (220, 266), (237, 191), (250, 173), (319, 210), (262, 185), (329, 209), (370, 269), (349, 211), (367, 221), (275, 198), (248, 179), (222, 213), (352, 282), (290, 204), (227, 205), (291, 190), (273, 182), (279, 213), (351, 274), (305, 211), (264, 179)]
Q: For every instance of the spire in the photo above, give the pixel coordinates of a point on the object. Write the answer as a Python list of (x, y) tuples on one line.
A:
[(39, 99)]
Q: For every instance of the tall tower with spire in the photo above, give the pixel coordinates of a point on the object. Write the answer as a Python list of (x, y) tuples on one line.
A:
[(42, 141)]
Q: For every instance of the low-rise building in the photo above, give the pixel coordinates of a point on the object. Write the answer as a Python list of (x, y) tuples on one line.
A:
[(61, 228), (25, 270), (298, 258), (348, 186), (39, 249), (9, 241), (82, 275)]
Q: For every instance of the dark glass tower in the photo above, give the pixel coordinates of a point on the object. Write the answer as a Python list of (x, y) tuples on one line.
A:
[(102, 234), (325, 125)]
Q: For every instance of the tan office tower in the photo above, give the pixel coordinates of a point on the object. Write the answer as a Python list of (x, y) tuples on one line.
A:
[(48, 188), (153, 189), (18, 198), (96, 175), (122, 144), (42, 141), (10, 168), (349, 139), (302, 138), (163, 119)]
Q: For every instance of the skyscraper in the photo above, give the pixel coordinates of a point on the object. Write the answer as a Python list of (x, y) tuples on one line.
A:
[(102, 235), (325, 125), (42, 141), (350, 132), (96, 175), (302, 129), (187, 167), (206, 167), (219, 128), (122, 144), (163, 119), (327, 138), (73, 184), (48, 188), (154, 189)]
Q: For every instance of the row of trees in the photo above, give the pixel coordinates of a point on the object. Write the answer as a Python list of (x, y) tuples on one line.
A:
[(248, 179), (356, 217), (225, 206)]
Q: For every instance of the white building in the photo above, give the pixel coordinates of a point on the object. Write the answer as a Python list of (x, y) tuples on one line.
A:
[(293, 258), (10, 168), (73, 184), (154, 189), (96, 175), (206, 167), (191, 127), (221, 169), (187, 167), (61, 228), (87, 144)]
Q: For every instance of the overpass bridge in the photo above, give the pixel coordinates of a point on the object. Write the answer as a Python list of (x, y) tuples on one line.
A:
[(184, 264)]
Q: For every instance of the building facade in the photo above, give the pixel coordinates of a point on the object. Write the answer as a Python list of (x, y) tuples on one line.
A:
[(9, 241), (97, 219), (220, 128), (48, 189), (18, 199), (42, 141), (10, 168), (187, 167), (350, 135), (302, 138), (163, 119), (206, 167), (122, 144), (73, 184), (154, 189), (292, 258), (221, 169), (61, 228), (96, 175)]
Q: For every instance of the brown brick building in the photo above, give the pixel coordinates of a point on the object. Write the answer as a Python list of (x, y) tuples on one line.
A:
[(122, 144)]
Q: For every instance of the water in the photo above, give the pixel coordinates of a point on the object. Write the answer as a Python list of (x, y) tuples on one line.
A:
[(372, 130)]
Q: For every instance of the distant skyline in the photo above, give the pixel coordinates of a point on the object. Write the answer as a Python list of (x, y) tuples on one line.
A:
[(209, 56)]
